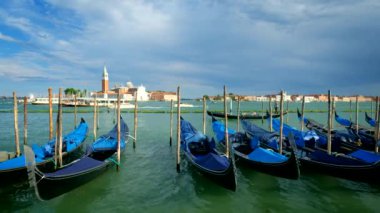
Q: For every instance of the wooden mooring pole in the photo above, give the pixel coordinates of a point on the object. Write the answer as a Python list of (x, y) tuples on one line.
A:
[(118, 131), (50, 114), (238, 115), (281, 120), (25, 120), (329, 124), (15, 117), (226, 123), (171, 123), (135, 123), (302, 113), (178, 129), (204, 114)]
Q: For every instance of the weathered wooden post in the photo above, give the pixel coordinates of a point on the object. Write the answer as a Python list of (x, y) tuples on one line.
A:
[(262, 112), (95, 120), (281, 120), (15, 117), (171, 122), (287, 111), (60, 128), (357, 115), (377, 126), (75, 111), (302, 113), (238, 114), (135, 122), (270, 114), (350, 109), (226, 124), (178, 129), (329, 124), (25, 120), (50, 114), (204, 114), (118, 130)]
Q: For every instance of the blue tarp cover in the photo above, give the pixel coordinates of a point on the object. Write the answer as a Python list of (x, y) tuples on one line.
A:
[(109, 140), (213, 161), (81, 165), (266, 156), (370, 120), (369, 157), (342, 121), (46, 151)]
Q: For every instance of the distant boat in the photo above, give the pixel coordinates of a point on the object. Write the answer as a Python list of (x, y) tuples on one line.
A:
[(44, 101), (122, 106), (184, 105), (242, 116)]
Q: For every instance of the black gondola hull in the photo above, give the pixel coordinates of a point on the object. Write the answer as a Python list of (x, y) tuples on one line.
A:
[(364, 173), (51, 187), (288, 169), (18, 175), (226, 178)]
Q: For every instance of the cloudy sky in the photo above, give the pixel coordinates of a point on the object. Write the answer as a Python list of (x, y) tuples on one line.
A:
[(253, 47)]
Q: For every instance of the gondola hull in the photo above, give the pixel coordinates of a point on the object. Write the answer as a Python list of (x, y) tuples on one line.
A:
[(17, 175), (225, 178), (288, 169), (51, 187), (363, 173), (242, 116)]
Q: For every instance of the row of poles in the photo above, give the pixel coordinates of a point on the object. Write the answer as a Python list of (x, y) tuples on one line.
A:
[(58, 135)]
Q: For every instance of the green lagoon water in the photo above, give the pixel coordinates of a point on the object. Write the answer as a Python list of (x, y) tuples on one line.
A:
[(148, 181)]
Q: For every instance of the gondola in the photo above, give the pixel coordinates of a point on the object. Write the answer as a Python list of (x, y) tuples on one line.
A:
[(201, 153), (98, 159), (370, 120), (347, 137), (364, 135), (357, 166), (242, 116), (248, 151), (14, 170)]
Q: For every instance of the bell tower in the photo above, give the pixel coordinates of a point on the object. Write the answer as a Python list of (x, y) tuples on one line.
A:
[(105, 80)]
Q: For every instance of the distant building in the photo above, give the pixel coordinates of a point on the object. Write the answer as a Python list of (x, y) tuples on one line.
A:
[(127, 92), (163, 96)]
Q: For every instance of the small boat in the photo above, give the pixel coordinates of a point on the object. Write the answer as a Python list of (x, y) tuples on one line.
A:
[(96, 161), (14, 169), (200, 152), (184, 105), (242, 116), (122, 106), (357, 167), (248, 150), (370, 120)]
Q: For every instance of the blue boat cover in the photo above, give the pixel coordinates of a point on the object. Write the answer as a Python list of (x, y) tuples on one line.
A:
[(266, 156), (370, 120), (212, 161), (109, 140), (299, 136), (337, 159), (201, 149), (81, 165), (369, 157), (258, 154), (342, 121), (45, 152)]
